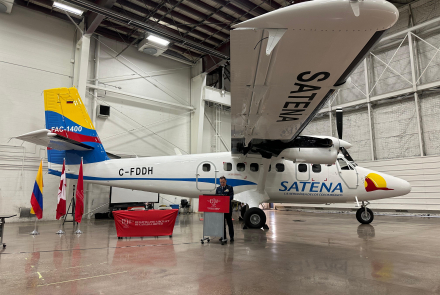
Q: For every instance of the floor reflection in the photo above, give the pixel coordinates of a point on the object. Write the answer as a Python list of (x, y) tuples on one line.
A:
[(366, 231)]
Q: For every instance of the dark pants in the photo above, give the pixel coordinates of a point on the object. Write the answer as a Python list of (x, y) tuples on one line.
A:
[(228, 219)]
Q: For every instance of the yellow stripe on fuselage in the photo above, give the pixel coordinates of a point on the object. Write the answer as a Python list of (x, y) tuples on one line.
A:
[(56, 99)]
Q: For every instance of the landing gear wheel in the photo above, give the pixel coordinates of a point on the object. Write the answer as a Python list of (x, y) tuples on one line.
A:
[(243, 211), (364, 217), (255, 218)]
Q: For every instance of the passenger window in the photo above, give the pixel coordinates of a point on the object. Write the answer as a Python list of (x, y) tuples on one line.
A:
[(316, 168), (206, 167), (302, 168), (279, 167), (254, 167), (227, 166), (241, 167), (270, 167)]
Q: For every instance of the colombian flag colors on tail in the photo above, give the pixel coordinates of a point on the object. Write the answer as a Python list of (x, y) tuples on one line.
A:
[(61, 207), (66, 115), (37, 194)]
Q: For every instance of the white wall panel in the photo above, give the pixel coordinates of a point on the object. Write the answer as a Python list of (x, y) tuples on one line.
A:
[(395, 130), (35, 54), (318, 126), (430, 114)]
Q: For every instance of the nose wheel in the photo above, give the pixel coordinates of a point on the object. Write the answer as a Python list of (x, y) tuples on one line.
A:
[(364, 215)]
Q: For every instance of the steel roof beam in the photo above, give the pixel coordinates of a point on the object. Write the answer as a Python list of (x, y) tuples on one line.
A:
[(211, 9), (248, 5), (229, 5), (145, 26), (93, 19), (170, 20), (198, 14), (198, 36)]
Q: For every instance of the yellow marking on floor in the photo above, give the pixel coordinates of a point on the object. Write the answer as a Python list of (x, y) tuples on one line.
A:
[(39, 275), (110, 274)]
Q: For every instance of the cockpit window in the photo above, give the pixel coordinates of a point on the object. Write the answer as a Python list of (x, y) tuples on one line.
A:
[(344, 165)]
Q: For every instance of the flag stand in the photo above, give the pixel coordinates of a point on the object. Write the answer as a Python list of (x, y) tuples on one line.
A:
[(78, 231), (35, 232), (60, 232), (72, 204)]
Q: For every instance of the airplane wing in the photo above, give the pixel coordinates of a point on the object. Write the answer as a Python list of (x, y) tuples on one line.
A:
[(54, 141), (286, 64)]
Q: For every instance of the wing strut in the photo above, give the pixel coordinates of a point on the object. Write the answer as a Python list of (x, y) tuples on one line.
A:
[(256, 196)]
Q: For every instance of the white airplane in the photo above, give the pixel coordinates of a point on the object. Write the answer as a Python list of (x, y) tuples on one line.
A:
[(285, 66)]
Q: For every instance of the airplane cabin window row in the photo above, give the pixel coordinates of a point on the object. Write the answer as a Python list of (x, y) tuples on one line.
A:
[(254, 167)]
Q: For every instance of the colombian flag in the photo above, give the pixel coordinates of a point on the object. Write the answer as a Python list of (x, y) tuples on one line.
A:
[(37, 194)]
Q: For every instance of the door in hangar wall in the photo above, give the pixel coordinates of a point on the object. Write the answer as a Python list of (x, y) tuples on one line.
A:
[(206, 177)]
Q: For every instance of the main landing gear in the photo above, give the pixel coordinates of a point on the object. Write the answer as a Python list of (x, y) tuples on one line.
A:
[(254, 218), (364, 215)]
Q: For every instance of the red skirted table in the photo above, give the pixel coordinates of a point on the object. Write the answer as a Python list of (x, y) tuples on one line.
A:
[(149, 223)]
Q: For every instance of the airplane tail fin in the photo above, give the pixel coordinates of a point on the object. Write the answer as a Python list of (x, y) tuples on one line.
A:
[(67, 119)]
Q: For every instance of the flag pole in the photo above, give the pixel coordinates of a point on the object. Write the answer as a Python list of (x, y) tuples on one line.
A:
[(78, 231), (60, 231), (35, 232)]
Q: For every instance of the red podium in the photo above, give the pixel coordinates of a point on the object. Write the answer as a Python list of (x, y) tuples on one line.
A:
[(151, 223), (214, 203), (214, 207)]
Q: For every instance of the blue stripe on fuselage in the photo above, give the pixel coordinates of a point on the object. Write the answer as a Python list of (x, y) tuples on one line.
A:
[(231, 181)]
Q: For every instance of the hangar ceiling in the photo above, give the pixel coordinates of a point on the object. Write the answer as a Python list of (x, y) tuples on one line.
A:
[(197, 28)]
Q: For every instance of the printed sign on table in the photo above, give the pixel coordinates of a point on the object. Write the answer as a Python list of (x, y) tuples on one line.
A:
[(149, 223)]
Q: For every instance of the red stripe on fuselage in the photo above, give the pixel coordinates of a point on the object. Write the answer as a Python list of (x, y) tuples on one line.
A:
[(77, 136)]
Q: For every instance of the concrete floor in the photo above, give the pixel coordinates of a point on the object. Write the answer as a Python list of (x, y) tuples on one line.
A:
[(302, 253)]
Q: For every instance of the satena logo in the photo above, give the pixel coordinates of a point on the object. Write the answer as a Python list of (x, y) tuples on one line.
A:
[(374, 182), (311, 187), (213, 202)]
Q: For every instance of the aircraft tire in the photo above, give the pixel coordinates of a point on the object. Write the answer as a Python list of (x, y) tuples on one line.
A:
[(364, 218), (255, 218), (243, 211)]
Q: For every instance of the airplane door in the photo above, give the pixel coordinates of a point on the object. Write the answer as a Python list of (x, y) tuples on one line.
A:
[(206, 177), (302, 172), (348, 173)]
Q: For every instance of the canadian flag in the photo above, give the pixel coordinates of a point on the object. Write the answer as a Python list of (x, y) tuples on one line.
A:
[(61, 207)]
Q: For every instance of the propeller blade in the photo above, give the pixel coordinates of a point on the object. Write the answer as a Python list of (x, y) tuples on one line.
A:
[(339, 122)]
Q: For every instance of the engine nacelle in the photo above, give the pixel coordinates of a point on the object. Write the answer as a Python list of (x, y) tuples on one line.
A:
[(311, 155)]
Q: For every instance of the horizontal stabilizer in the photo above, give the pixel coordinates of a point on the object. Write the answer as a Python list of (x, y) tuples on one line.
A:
[(54, 141)]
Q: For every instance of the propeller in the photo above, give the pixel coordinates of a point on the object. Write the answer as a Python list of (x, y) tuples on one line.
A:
[(339, 124)]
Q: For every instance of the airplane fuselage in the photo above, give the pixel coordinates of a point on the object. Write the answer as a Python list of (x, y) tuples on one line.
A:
[(287, 182)]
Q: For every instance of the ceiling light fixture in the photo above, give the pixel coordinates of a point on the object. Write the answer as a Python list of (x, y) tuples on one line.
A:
[(158, 40), (67, 8)]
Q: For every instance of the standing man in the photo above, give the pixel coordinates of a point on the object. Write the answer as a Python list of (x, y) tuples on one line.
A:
[(227, 190)]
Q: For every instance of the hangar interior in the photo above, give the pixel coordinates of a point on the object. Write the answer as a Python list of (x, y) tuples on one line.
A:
[(179, 102), (391, 102)]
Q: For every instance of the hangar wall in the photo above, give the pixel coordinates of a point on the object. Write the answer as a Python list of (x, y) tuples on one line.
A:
[(391, 108), (35, 54)]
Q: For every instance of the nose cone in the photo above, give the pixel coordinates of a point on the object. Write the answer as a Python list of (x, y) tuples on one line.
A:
[(386, 185), (404, 187)]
